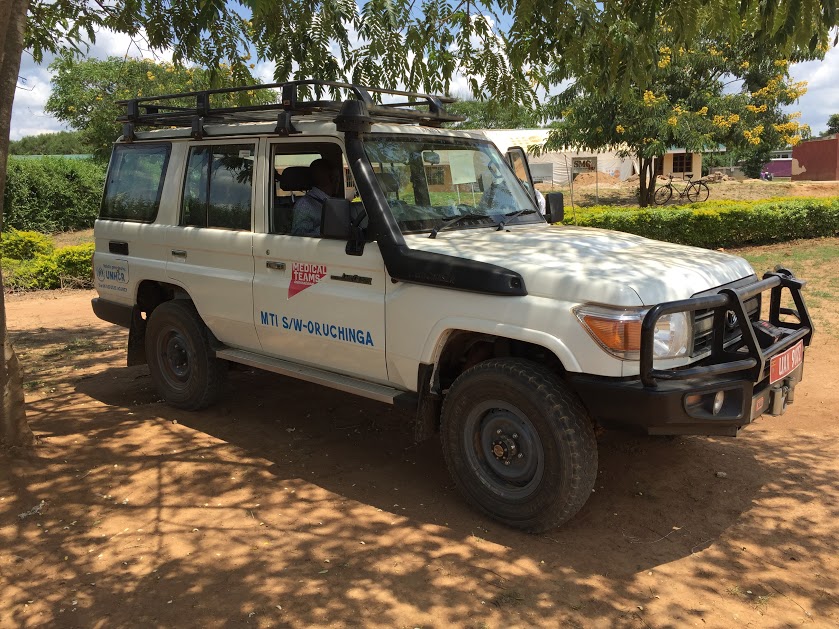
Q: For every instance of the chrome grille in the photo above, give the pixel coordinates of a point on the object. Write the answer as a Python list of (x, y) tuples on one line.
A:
[(703, 326)]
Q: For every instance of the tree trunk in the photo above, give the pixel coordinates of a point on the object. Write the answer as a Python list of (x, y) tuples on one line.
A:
[(14, 430), (646, 181)]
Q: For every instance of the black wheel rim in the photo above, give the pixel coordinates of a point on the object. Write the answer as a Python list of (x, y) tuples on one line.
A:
[(175, 358), (504, 448)]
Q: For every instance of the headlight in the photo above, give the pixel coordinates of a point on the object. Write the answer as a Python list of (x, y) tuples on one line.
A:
[(618, 331), (673, 335)]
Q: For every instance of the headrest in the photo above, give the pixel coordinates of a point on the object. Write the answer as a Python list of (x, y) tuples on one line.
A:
[(295, 178), (388, 182)]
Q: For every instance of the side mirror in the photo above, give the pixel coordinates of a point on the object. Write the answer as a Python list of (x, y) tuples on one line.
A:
[(336, 219), (554, 207)]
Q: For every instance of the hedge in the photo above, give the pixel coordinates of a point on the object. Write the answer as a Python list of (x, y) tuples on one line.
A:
[(25, 245), (52, 194), (69, 267), (716, 224)]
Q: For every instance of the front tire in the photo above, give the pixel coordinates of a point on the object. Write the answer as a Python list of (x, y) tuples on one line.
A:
[(519, 444), (699, 192), (183, 366), (662, 195)]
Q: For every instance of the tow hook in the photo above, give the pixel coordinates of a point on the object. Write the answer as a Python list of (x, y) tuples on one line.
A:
[(782, 394), (778, 399)]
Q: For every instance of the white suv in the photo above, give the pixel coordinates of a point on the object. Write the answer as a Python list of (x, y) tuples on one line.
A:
[(364, 247)]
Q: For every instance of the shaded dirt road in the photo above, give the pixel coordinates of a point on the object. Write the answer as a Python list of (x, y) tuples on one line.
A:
[(291, 505)]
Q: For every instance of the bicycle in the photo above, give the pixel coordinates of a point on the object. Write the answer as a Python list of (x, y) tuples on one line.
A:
[(695, 191)]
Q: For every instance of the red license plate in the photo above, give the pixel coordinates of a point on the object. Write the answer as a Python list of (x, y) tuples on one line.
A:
[(785, 363)]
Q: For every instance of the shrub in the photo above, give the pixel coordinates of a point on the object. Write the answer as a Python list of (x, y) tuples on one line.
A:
[(26, 245), (52, 194), (75, 266), (18, 275), (69, 267), (717, 224)]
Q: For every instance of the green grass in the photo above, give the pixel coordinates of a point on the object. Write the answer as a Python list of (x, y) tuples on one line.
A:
[(817, 262), (801, 252)]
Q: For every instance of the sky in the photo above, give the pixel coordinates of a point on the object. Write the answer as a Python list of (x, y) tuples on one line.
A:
[(29, 118)]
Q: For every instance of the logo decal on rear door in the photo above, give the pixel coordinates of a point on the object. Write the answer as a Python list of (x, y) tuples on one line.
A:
[(304, 275)]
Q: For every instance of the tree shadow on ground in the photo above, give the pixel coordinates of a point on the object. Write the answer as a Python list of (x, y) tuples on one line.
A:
[(291, 505)]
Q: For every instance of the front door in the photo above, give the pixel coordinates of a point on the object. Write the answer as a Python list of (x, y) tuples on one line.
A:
[(314, 303)]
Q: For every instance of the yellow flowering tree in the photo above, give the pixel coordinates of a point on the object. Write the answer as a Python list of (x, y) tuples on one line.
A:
[(693, 97), (85, 92)]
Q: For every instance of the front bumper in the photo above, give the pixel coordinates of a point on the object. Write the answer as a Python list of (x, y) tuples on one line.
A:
[(681, 401), (682, 407)]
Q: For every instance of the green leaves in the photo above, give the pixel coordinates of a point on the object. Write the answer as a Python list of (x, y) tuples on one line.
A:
[(504, 49), (717, 224), (492, 114), (52, 194)]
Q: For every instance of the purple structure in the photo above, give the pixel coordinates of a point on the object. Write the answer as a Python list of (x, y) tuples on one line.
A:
[(779, 167)]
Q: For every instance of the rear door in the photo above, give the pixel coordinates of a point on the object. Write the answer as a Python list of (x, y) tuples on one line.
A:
[(129, 244), (210, 250)]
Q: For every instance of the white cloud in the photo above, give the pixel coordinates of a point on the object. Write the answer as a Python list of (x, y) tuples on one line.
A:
[(29, 118), (822, 97), (28, 115)]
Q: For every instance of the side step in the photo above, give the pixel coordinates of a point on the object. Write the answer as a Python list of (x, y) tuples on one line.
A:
[(378, 392)]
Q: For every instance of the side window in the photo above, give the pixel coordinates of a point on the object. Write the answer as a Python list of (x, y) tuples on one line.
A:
[(217, 186), (135, 181), (298, 168)]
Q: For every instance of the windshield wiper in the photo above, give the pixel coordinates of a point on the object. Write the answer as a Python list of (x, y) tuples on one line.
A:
[(511, 215), (454, 220), (520, 213)]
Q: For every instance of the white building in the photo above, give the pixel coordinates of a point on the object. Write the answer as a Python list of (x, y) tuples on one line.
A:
[(559, 167)]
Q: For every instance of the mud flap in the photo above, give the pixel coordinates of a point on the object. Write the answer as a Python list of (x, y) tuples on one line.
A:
[(137, 338), (429, 406)]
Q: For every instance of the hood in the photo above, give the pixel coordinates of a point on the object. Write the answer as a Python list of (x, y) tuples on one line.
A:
[(581, 264)]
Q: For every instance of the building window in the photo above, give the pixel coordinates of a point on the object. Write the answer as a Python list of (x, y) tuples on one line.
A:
[(436, 175), (682, 162)]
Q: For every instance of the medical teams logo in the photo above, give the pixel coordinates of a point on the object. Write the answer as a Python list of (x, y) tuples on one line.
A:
[(304, 275)]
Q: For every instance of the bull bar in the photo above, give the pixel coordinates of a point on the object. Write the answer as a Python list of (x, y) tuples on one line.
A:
[(724, 360)]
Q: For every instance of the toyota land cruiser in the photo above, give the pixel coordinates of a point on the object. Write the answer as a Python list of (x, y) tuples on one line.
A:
[(361, 245)]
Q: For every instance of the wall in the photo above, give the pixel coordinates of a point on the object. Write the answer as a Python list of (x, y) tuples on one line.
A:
[(779, 167), (816, 160), (696, 166)]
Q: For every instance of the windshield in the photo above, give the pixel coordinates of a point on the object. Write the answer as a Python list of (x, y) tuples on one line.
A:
[(461, 182)]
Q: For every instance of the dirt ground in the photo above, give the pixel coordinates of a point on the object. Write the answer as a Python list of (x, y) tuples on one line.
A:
[(288, 505), (608, 191)]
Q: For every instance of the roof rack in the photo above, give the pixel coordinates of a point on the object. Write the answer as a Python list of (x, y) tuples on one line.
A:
[(178, 110)]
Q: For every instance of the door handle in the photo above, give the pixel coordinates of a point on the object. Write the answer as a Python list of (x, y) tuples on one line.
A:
[(179, 253), (271, 264)]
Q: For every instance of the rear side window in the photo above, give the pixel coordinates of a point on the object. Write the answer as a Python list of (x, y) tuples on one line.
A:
[(218, 186), (135, 180)]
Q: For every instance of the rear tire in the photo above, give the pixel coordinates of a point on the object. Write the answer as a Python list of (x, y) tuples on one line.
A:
[(662, 195), (183, 366), (519, 444)]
